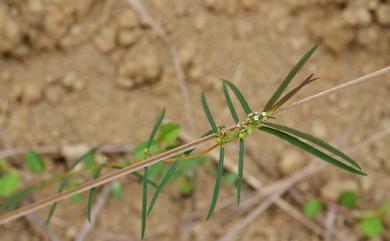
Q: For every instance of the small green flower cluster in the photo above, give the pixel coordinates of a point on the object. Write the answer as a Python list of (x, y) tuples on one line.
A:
[(241, 130)]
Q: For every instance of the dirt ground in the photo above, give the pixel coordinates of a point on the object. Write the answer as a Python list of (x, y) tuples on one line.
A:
[(92, 72)]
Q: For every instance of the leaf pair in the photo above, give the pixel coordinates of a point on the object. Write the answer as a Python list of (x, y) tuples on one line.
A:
[(310, 149), (144, 203), (217, 185), (247, 110), (272, 103)]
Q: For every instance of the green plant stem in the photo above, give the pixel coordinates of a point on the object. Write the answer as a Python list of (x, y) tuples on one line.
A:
[(163, 156)]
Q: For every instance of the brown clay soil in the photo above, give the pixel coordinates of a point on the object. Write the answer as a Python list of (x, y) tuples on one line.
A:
[(92, 72)]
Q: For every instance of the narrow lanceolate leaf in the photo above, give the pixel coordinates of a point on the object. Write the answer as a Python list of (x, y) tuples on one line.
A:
[(54, 206), (316, 141), (155, 128), (92, 192), (208, 113), (279, 91), (65, 181), (240, 171), (315, 152), (144, 203), (230, 103), (239, 96), (290, 94), (163, 183), (217, 185)]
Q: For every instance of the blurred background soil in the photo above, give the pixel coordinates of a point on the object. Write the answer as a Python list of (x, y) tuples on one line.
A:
[(92, 72)]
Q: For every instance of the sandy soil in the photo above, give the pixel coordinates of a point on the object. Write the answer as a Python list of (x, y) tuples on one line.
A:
[(92, 72)]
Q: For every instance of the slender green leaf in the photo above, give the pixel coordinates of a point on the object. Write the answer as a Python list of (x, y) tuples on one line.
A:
[(92, 192), (54, 206), (162, 184), (217, 185), (240, 170), (169, 133), (372, 227), (230, 103), (316, 141), (312, 208), (9, 183), (65, 181), (239, 96), (144, 203), (155, 128), (296, 142), (208, 113), (279, 91), (290, 94), (34, 162)]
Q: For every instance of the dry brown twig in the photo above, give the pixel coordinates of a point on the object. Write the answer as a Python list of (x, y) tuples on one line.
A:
[(158, 158)]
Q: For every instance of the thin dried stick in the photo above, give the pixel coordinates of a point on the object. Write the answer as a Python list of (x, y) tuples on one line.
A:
[(330, 223), (336, 88), (123, 172), (148, 19)]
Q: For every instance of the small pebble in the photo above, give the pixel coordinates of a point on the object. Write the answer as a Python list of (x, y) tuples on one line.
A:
[(128, 19), (200, 22), (31, 94), (72, 82), (105, 40), (53, 94), (243, 29), (74, 152), (357, 16), (383, 14), (128, 37), (319, 129), (291, 162), (143, 70)]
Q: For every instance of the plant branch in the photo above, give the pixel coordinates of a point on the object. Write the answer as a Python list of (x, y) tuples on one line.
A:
[(160, 157)]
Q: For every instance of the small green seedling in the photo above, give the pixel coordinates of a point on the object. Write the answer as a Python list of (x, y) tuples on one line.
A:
[(34, 162), (117, 190), (372, 227), (312, 208), (348, 199)]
